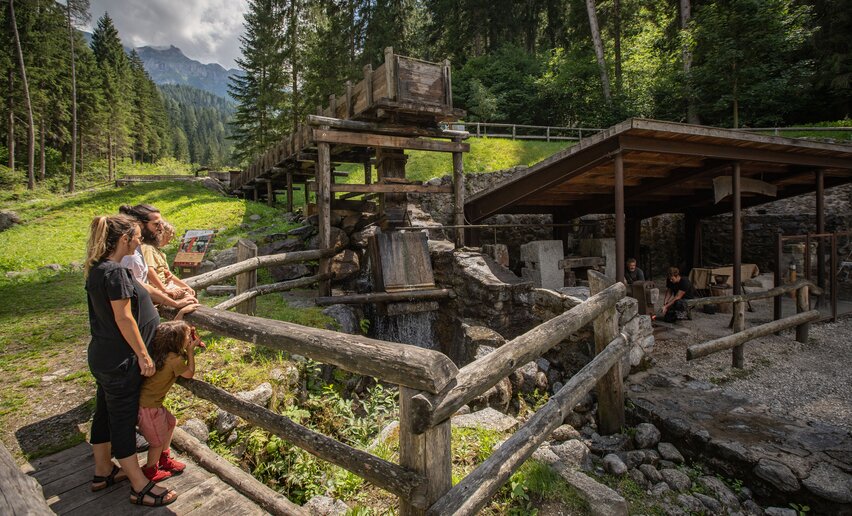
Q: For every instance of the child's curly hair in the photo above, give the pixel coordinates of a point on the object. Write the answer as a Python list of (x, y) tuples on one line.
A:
[(170, 338)]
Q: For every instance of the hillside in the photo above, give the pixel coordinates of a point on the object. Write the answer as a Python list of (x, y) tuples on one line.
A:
[(168, 65)]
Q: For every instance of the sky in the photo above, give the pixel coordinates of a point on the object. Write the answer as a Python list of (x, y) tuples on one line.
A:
[(205, 30)]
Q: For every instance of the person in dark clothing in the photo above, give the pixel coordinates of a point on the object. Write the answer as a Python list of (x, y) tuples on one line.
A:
[(123, 323), (678, 290), (633, 273)]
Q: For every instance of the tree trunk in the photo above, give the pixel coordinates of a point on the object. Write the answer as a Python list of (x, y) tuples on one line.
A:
[(11, 135), (736, 106), (109, 157), (294, 69), (42, 166), (686, 57), (31, 129), (81, 155), (73, 179), (599, 50), (617, 36)]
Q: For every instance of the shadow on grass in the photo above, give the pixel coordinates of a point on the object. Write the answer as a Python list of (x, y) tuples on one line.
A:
[(55, 433), (42, 292)]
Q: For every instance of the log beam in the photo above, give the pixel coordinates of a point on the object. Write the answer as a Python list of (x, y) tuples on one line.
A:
[(401, 364), (386, 141), (737, 339), (213, 277), (387, 297), (387, 475), (752, 296), (262, 290), (609, 388), (472, 380)]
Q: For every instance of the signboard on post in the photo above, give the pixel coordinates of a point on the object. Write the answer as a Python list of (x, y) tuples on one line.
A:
[(193, 247)]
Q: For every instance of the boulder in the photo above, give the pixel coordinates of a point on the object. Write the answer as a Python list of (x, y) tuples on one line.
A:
[(497, 397), (302, 231), (660, 489), (692, 504), (669, 452), (289, 271), (651, 473), (720, 491), (638, 478), (260, 395), (777, 474), (574, 453), (676, 479), (8, 219), (488, 419), (346, 317), (613, 464), (647, 435), (225, 257), (361, 239), (197, 429), (286, 245), (711, 503), (779, 511), (326, 506), (603, 444), (830, 482), (225, 422), (565, 433), (602, 500), (337, 239), (287, 375), (345, 265)]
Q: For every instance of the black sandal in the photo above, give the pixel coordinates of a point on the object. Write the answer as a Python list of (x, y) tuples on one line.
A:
[(108, 480), (159, 500)]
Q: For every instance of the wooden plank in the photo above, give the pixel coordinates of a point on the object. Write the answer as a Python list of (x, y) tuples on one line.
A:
[(19, 494), (573, 262), (419, 81), (387, 141), (387, 475), (405, 261), (217, 276), (479, 376), (246, 484), (609, 387), (390, 74), (385, 128), (802, 305), (324, 195), (397, 363), (476, 489), (458, 195), (380, 83), (722, 187), (752, 296), (386, 188), (43, 463)]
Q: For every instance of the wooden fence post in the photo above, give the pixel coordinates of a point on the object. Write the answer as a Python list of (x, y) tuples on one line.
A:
[(428, 453), (737, 354), (609, 388), (246, 249), (802, 305), (458, 197), (323, 175)]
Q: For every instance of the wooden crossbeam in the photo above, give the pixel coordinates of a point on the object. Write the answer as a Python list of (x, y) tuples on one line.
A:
[(387, 141)]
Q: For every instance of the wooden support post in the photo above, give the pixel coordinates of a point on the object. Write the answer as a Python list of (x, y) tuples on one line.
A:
[(820, 228), (619, 217), (609, 388), (368, 172), (737, 359), (323, 174), (289, 191), (350, 110), (368, 85), (428, 454), (458, 191), (779, 255), (270, 194), (390, 73), (802, 305), (256, 194), (246, 249)]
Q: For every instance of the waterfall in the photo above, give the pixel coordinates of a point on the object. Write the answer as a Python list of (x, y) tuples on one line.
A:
[(415, 329)]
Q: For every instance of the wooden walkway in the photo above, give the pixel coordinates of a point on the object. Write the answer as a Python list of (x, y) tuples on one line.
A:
[(65, 479)]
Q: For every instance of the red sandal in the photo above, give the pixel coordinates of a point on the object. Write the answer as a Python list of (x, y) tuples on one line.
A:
[(167, 463), (155, 474)]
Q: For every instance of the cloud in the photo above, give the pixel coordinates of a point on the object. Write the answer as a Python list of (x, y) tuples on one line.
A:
[(205, 30)]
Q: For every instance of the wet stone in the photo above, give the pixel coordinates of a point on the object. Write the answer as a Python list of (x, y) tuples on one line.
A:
[(677, 480), (777, 474)]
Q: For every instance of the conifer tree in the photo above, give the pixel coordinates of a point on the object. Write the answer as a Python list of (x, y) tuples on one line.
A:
[(115, 73)]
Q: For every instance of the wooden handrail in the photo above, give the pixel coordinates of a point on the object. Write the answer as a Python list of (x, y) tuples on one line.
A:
[(479, 376), (477, 488), (730, 341), (388, 297), (272, 260), (270, 288), (387, 475), (402, 364), (751, 296)]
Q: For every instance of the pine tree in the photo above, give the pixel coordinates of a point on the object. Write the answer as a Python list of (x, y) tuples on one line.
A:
[(76, 11), (31, 127), (115, 73)]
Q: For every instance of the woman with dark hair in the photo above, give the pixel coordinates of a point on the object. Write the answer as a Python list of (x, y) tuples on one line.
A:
[(123, 323)]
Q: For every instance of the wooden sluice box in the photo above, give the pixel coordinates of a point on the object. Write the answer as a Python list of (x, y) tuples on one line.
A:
[(400, 263)]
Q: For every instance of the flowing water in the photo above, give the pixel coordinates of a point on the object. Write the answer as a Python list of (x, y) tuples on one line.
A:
[(415, 329)]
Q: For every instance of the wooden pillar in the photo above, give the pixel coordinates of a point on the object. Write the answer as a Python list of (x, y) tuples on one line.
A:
[(368, 172), (820, 227), (323, 175), (779, 275), (563, 233), (737, 359), (609, 388), (270, 194), (458, 194), (390, 164), (256, 193), (428, 454), (289, 192), (246, 249), (619, 217), (802, 305)]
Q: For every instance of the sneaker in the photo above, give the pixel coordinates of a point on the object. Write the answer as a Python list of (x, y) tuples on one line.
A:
[(155, 474), (141, 443), (167, 463)]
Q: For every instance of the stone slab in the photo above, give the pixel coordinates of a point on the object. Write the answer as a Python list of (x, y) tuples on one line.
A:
[(602, 500), (488, 419), (542, 263)]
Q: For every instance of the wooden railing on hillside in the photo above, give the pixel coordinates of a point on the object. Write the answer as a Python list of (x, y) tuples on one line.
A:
[(801, 321), (432, 389)]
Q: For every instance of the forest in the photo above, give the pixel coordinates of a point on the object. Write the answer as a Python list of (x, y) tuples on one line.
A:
[(585, 63)]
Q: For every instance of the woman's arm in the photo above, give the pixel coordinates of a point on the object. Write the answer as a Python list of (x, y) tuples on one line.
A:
[(161, 298), (130, 331), (154, 280), (179, 282)]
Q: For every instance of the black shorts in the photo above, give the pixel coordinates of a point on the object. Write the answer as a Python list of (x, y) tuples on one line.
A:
[(117, 408)]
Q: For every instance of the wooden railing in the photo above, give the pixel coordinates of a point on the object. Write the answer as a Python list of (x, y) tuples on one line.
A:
[(432, 389), (801, 321), (526, 132)]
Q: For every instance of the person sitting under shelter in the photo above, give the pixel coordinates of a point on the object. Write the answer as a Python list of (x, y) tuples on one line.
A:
[(633, 273), (678, 290)]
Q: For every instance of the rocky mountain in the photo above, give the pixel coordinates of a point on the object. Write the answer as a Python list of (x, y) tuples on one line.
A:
[(168, 65)]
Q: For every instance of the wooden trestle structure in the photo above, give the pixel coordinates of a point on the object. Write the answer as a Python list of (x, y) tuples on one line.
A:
[(398, 106)]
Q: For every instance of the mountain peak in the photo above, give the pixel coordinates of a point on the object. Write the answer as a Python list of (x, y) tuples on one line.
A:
[(168, 65)]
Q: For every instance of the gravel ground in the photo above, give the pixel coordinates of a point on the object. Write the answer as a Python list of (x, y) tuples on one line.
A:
[(812, 381)]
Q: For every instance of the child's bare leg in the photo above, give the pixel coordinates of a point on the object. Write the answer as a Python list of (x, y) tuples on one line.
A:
[(154, 454)]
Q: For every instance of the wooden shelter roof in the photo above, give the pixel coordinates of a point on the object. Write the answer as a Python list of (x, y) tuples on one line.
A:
[(668, 168)]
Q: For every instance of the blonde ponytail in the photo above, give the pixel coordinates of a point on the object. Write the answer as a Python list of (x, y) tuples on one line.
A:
[(104, 233)]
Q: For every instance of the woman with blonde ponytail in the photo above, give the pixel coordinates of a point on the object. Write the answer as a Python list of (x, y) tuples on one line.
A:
[(123, 323)]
